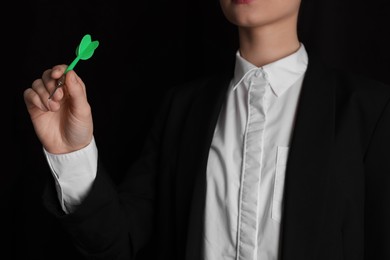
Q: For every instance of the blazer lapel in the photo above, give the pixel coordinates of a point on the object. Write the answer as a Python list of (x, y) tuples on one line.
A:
[(191, 180), (307, 166)]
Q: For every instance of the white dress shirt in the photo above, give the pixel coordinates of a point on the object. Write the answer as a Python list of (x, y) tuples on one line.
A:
[(247, 160), (246, 166)]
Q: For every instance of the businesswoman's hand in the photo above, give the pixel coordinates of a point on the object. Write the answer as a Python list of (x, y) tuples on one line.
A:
[(64, 122)]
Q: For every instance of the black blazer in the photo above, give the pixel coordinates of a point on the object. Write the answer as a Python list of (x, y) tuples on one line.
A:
[(337, 189)]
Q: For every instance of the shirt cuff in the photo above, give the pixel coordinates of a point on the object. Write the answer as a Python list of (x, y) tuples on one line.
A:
[(74, 174)]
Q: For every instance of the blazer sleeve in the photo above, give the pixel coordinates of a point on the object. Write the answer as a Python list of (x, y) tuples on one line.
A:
[(115, 222), (377, 190)]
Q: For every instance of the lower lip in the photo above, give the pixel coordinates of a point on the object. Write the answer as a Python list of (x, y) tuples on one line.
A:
[(242, 1)]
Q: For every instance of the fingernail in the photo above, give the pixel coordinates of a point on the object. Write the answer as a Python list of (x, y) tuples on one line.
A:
[(73, 78)]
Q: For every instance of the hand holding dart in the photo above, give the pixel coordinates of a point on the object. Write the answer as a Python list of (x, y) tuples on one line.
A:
[(84, 51)]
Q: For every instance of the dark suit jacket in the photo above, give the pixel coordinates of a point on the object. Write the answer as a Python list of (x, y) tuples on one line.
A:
[(337, 190)]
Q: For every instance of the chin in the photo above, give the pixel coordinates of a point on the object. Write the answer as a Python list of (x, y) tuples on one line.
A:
[(247, 20), (257, 13)]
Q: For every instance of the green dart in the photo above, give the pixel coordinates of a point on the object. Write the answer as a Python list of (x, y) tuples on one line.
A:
[(84, 51)]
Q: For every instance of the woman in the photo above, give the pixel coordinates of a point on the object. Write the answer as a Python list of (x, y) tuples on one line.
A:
[(282, 158)]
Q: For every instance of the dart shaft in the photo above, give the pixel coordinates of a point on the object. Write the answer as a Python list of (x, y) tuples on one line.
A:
[(60, 83)]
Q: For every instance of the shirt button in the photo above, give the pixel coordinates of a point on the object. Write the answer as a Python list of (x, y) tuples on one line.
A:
[(258, 73)]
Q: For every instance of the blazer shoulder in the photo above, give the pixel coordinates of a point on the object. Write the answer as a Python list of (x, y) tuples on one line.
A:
[(360, 85), (349, 82), (363, 84), (351, 87)]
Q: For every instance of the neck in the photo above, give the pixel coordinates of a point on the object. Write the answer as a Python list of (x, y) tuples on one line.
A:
[(265, 44)]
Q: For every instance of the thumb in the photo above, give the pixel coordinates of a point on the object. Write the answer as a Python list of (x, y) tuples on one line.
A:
[(75, 88)]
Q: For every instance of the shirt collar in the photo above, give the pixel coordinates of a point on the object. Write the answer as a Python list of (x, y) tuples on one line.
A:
[(281, 74)]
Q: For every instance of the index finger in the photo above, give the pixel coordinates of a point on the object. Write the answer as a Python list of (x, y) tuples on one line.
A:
[(55, 73), (51, 76)]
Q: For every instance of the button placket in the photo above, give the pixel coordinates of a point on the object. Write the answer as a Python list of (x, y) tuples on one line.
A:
[(251, 170)]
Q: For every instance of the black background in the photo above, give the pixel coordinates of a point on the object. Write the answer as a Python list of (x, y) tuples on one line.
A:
[(145, 48)]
